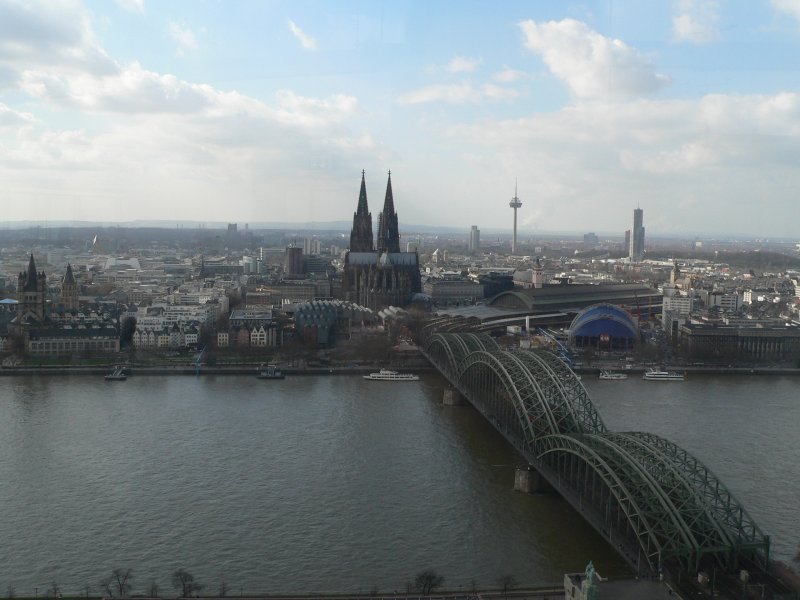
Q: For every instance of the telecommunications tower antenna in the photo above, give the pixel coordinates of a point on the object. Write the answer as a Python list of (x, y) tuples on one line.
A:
[(515, 204)]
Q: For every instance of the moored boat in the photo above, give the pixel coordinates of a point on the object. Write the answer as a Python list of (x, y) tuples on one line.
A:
[(387, 375), (606, 374), (118, 374), (270, 372), (656, 375)]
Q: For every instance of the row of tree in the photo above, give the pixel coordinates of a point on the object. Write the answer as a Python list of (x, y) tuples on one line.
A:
[(119, 584)]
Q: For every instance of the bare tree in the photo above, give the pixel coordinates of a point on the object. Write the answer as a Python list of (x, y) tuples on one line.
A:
[(184, 581), (10, 592), (223, 588), (55, 590), (105, 586), (121, 580), (152, 589), (428, 580), (86, 590), (506, 583)]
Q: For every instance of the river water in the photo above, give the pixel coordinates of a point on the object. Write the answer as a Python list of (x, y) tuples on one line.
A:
[(333, 483)]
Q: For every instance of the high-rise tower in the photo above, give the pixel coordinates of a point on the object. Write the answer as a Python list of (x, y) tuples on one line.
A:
[(474, 238), (361, 234), (69, 290), (636, 249), (388, 231), (515, 204)]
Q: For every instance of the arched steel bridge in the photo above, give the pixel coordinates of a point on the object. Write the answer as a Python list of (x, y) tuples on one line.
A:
[(655, 503)]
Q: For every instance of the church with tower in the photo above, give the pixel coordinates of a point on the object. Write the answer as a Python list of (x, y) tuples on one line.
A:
[(31, 294), (377, 273), (32, 303)]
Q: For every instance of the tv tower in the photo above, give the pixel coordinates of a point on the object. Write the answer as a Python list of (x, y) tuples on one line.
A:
[(515, 204)]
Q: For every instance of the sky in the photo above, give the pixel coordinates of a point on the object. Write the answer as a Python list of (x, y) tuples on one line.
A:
[(257, 112)]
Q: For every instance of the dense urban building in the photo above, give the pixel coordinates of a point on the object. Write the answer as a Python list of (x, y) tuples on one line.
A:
[(294, 261), (452, 291), (739, 339)]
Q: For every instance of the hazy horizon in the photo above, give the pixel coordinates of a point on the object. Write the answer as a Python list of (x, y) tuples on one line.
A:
[(407, 230), (255, 112)]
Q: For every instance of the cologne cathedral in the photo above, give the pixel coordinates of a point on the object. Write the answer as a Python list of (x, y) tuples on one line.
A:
[(378, 275)]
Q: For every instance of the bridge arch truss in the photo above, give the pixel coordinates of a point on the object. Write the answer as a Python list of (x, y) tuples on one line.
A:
[(651, 499)]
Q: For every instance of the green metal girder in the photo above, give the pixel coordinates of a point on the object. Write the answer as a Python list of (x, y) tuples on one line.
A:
[(674, 505), (551, 447)]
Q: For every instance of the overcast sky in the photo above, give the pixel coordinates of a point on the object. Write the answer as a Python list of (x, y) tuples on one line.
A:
[(268, 111)]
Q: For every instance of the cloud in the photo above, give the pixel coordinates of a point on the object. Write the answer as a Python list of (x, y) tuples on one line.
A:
[(696, 21), (719, 149), (184, 37), (461, 93), (9, 117), (789, 7), (131, 5), (508, 75), (306, 41), (52, 35), (314, 112), (131, 89), (459, 64), (196, 143), (592, 65)]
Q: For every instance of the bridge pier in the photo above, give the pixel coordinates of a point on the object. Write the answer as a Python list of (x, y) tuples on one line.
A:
[(452, 397), (529, 481)]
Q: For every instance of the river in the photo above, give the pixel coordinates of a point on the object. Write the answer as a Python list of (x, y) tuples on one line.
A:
[(333, 483)]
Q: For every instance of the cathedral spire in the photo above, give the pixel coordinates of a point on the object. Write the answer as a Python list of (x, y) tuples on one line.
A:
[(361, 234), (362, 197), (388, 231), (30, 282), (69, 277)]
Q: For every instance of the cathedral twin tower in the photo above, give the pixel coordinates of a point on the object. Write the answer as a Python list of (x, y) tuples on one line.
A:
[(388, 231), (377, 274)]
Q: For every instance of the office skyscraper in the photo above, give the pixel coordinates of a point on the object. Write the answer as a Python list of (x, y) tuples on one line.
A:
[(636, 249), (474, 238)]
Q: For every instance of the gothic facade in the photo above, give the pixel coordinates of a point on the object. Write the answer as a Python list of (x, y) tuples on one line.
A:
[(69, 290), (382, 276), (31, 294)]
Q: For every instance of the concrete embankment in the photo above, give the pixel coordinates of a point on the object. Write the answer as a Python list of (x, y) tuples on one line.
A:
[(204, 370)]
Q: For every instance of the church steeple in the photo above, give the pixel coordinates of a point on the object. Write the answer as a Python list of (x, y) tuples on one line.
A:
[(31, 292), (30, 281), (69, 277), (69, 290), (361, 234), (388, 231)]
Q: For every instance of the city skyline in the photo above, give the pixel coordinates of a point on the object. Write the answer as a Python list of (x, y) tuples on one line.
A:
[(243, 112)]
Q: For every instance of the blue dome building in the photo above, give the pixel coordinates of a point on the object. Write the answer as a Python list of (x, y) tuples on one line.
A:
[(604, 326)]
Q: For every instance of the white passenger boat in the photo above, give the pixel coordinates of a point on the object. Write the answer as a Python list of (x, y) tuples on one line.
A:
[(387, 375), (655, 375), (605, 374), (118, 374)]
